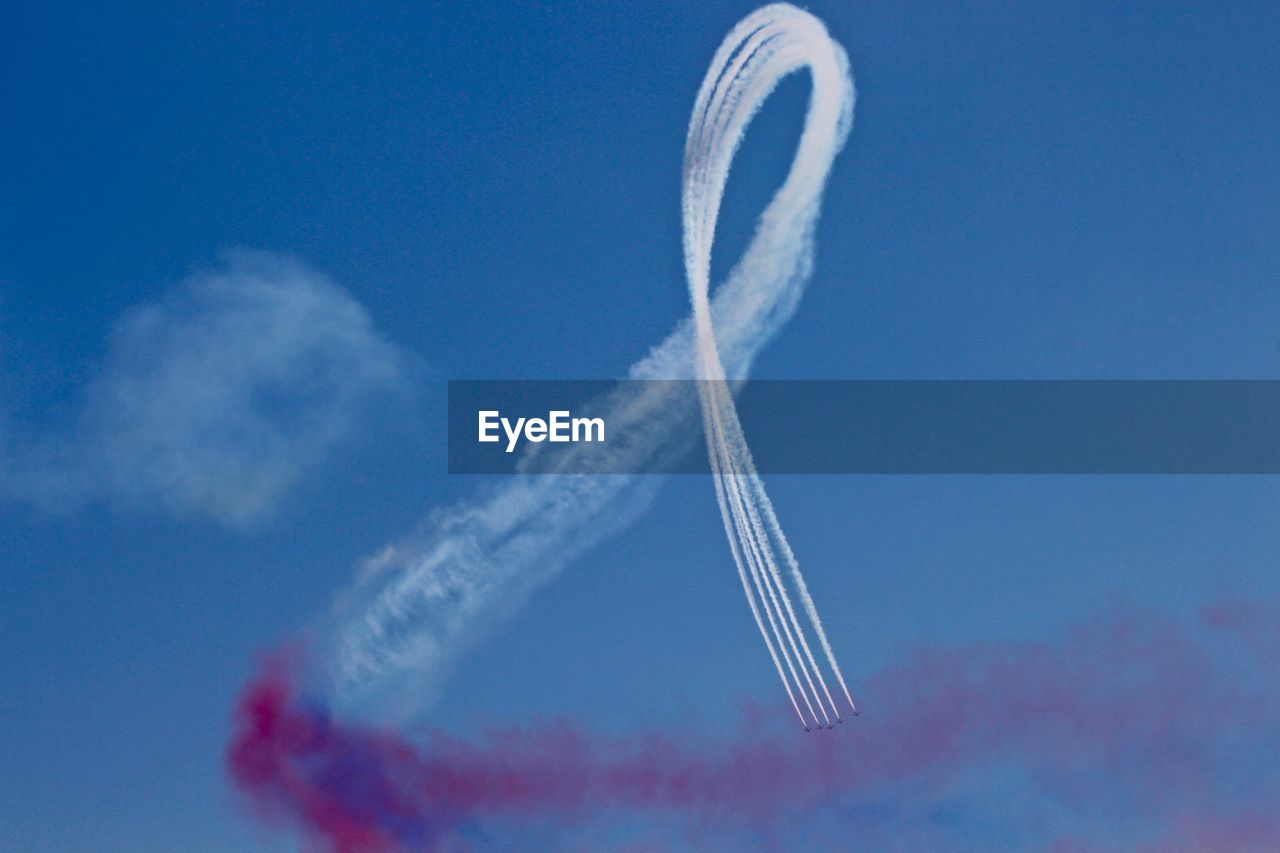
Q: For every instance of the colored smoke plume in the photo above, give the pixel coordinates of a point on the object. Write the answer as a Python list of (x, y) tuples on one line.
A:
[(1129, 730)]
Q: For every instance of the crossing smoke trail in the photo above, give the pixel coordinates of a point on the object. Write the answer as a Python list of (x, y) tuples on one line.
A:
[(1130, 731), (422, 602)]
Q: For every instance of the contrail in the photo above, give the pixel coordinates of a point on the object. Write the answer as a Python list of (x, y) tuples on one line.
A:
[(421, 602), (751, 600), (770, 603), (755, 537), (794, 566), (765, 47), (768, 592)]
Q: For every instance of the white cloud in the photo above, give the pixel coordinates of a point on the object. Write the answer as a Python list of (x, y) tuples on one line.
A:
[(218, 398)]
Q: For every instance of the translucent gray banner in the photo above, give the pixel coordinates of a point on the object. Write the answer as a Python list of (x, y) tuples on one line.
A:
[(872, 427)]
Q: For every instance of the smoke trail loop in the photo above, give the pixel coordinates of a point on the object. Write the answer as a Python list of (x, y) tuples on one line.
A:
[(423, 602), (765, 47)]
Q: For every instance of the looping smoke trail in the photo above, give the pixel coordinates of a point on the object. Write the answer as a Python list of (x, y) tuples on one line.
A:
[(765, 47), (423, 601)]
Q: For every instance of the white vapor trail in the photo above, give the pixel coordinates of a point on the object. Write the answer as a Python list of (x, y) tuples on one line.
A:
[(423, 601), (760, 51)]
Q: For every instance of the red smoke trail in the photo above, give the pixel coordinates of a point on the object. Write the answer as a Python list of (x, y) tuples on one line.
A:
[(1145, 730)]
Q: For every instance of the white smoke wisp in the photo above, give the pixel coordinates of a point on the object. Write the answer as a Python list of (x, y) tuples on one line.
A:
[(422, 602), (216, 400)]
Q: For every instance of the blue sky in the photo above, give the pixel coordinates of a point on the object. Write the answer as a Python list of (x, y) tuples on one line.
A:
[(493, 192)]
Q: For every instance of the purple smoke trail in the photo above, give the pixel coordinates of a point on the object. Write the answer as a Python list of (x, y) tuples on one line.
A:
[(1142, 730)]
